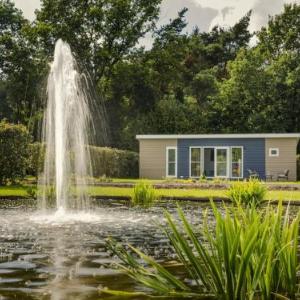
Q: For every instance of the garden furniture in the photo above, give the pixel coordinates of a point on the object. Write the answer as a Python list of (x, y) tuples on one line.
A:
[(269, 176), (284, 175), (253, 174)]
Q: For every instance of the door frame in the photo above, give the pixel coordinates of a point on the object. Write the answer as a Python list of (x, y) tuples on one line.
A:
[(227, 161)]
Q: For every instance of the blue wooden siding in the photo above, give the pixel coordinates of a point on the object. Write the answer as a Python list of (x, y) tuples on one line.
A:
[(254, 153)]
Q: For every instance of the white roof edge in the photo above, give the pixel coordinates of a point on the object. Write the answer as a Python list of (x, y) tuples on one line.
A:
[(214, 136)]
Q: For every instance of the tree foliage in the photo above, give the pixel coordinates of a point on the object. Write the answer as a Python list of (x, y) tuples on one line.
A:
[(21, 68), (100, 32), (14, 152), (186, 82)]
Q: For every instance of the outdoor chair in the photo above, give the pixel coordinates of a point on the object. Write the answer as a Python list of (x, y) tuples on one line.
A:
[(253, 174), (284, 175), (269, 176)]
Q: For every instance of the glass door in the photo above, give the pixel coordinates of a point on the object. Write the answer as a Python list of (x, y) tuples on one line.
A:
[(221, 162), (209, 162)]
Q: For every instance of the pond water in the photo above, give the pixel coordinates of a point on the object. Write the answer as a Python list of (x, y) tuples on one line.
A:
[(62, 256)]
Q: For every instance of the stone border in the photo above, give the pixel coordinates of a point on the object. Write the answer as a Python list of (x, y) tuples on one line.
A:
[(165, 198), (195, 199)]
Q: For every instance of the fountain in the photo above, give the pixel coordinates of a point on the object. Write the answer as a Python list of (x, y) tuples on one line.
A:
[(67, 122), (64, 255)]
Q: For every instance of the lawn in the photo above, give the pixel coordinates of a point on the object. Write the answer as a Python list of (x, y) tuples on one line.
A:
[(190, 193), (21, 191), (13, 191)]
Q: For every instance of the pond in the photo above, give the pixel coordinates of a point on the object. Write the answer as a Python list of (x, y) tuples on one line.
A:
[(62, 257)]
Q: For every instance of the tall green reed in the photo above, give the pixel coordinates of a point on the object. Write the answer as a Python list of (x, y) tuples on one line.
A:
[(250, 192), (247, 254), (143, 195)]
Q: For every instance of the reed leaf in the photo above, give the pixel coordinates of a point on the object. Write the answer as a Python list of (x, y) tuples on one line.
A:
[(246, 254)]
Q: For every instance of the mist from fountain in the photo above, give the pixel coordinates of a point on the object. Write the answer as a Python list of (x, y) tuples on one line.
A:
[(66, 128)]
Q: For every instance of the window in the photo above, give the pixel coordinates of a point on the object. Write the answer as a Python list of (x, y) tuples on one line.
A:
[(236, 162), (222, 162), (273, 152), (195, 162), (171, 162)]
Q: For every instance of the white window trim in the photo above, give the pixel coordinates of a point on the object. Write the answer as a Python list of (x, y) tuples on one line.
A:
[(201, 161), (228, 169), (242, 169), (167, 162), (273, 155), (229, 161)]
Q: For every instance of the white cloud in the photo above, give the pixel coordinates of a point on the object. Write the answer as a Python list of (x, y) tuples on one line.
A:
[(230, 11), (28, 7), (204, 13)]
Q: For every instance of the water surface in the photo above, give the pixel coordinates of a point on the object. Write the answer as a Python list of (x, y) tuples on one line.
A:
[(47, 256)]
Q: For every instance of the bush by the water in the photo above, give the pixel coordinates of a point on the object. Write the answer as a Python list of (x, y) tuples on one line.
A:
[(143, 195), (36, 159), (252, 192), (106, 162), (114, 162), (247, 254), (14, 152)]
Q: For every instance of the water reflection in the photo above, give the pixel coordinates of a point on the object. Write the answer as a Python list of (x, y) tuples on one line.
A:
[(49, 257)]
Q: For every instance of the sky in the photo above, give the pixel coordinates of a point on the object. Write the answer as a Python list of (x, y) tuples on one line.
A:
[(202, 13)]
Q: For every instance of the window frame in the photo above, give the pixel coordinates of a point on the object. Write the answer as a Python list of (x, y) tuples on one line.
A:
[(167, 161), (242, 161), (273, 155), (228, 159), (201, 161)]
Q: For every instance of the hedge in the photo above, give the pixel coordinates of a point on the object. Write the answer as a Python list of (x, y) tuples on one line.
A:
[(107, 162), (14, 152), (114, 163)]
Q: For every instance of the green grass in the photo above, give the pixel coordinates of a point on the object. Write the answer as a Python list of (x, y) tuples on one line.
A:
[(20, 191), (189, 193), (116, 191)]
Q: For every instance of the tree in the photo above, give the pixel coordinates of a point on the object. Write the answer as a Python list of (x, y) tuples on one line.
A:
[(21, 67), (100, 32), (136, 84), (240, 102), (219, 46), (259, 96), (282, 33), (14, 152), (262, 91)]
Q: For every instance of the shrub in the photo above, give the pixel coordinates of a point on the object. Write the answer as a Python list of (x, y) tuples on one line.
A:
[(36, 159), (250, 193), (31, 192), (14, 152), (143, 195), (114, 163), (246, 255), (106, 162)]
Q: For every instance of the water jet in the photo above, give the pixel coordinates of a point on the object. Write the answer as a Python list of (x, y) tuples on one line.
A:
[(65, 136)]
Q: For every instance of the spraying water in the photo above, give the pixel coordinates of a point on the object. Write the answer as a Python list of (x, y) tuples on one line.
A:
[(67, 120)]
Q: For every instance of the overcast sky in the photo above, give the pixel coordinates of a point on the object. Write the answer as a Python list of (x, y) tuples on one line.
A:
[(202, 13)]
